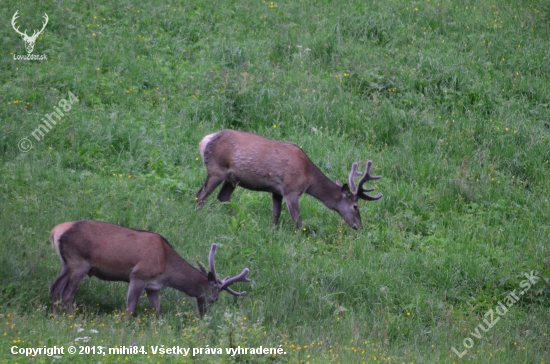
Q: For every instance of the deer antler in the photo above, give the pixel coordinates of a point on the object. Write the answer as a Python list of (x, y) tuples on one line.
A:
[(24, 35), (351, 177), (227, 281), (17, 29), (35, 34), (224, 285), (359, 190), (211, 259)]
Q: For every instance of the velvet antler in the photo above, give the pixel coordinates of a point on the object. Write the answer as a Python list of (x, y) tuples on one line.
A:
[(227, 281), (359, 190)]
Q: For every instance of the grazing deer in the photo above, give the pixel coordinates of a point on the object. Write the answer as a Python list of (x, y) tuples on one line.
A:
[(144, 259), (237, 158)]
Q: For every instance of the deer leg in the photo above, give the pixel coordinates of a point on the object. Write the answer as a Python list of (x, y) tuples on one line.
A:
[(293, 205), (225, 192), (75, 276), (211, 183), (153, 297), (277, 202), (58, 287), (201, 305), (134, 291)]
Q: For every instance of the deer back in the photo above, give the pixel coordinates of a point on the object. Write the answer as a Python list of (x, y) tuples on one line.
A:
[(257, 163), (112, 252)]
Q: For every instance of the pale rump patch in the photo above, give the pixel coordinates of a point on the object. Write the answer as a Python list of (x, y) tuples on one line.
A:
[(56, 234), (204, 142)]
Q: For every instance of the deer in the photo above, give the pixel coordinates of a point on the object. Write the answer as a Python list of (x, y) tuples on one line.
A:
[(29, 41), (144, 259), (236, 158)]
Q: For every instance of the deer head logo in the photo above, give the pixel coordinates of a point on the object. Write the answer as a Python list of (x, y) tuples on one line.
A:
[(29, 41)]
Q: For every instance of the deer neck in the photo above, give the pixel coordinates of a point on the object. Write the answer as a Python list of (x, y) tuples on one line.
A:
[(324, 190), (184, 277)]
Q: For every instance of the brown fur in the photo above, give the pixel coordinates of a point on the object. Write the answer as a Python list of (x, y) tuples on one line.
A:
[(115, 253), (237, 158)]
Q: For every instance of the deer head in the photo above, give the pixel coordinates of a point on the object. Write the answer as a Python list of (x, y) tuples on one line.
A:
[(353, 193), (29, 40), (216, 284)]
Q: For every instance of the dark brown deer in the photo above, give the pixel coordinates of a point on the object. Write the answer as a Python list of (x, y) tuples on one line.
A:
[(237, 158), (144, 259)]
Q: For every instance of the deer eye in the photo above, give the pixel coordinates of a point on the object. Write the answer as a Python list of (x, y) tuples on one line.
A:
[(355, 207)]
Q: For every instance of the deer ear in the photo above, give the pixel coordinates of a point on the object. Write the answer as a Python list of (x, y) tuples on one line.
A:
[(345, 189), (211, 277)]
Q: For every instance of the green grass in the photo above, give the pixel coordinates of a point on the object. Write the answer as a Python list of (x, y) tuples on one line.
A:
[(449, 99)]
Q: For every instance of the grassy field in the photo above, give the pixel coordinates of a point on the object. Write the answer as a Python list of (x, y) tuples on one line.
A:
[(450, 100)]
